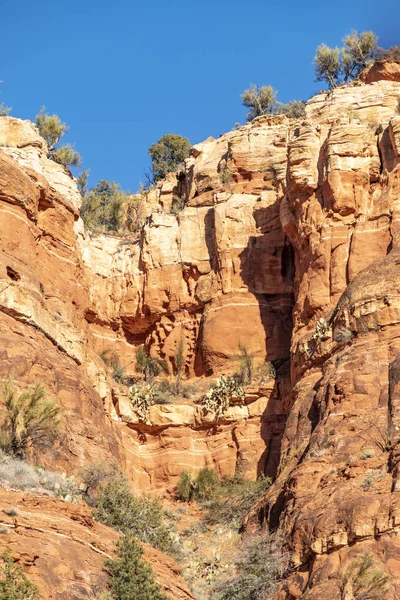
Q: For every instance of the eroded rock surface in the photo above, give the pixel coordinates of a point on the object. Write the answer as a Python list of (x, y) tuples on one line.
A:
[(286, 223)]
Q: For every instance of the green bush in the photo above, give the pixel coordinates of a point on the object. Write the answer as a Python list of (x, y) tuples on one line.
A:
[(116, 506), (178, 204), (362, 580), (201, 488), (149, 366), (52, 129), (233, 499), (336, 66), (111, 359), (14, 584), (30, 420), (207, 482), (246, 360), (131, 578), (225, 176), (168, 155), (103, 206), (66, 156), (260, 565), (185, 487), (296, 109)]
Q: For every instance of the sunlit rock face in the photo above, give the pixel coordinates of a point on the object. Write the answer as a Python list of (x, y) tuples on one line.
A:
[(285, 223)]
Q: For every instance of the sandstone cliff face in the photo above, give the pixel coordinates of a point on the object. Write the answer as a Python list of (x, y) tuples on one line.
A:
[(286, 222)]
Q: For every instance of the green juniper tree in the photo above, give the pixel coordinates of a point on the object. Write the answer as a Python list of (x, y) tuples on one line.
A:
[(131, 578), (168, 155)]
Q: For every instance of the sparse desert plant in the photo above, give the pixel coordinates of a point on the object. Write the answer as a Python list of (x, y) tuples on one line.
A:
[(264, 372), (219, 397), (66, 155), (246, 362), (11, 511), (391, 54), (143, 517), (233, 499), (179, 360), (102, 207), (185, 487), (296, 109), (131, 578), (17, 474), (225, 176), (178, 204), (336, 66), (14, 584), (366, 454), (52, 129), (168, 155), (206, 483), (149, 366), (260, 565), (363, 581), (320, 329), (31, 419), (112, 360), (260, 100)]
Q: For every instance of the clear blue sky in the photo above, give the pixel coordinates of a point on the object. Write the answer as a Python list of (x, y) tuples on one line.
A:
[(123, 73)]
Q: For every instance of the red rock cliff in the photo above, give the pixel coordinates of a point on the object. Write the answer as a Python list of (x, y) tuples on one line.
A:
[(286, 222)]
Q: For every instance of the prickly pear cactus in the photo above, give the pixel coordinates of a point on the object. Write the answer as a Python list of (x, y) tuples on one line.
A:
[(320, 329), (142, 399), (219, 398)]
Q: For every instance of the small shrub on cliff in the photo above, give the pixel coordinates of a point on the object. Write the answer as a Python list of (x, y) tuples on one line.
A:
[(102, 207), (18, 474), (336, 66), (14, 584), (132, 578), (296, 109), (362, 580), (233, 499), (185, 487), (391, 54), (260, 565), (246, 362), (200, 488), (66, 156), (149, 366), (30, 420), (168, 155), (52, 129), (260, 100), (116, 506)]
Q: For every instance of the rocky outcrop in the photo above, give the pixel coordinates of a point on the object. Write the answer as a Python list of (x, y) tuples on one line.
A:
[(63, 550), (287, 224)]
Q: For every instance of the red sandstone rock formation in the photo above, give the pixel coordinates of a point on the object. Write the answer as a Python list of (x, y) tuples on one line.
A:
[(63, 550), (287, 222)]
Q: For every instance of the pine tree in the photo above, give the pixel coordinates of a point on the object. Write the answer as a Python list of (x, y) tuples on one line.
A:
[(131, 577)]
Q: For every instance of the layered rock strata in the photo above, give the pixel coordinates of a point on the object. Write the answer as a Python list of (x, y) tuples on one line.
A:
[(286, 223)]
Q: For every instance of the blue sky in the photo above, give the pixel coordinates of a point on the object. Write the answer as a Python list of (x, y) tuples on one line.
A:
[(123, 73)]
